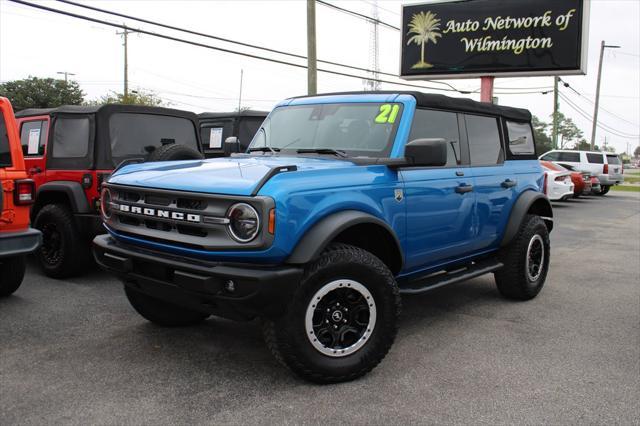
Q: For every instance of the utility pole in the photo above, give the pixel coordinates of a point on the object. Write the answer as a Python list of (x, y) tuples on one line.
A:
[(125, 34), (66, 75), (240, 95), (373, 83), (554, 132), (312, 66), (597, 102)]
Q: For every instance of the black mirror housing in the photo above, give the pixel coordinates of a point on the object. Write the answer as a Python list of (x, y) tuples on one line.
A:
[(231, 145), (426, 152)]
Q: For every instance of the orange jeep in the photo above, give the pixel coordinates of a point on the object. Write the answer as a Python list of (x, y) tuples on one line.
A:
[(17, 193)]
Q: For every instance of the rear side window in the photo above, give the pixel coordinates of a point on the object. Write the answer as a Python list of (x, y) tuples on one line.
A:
[(574, 157), (5, 149), (441, 125), (613, 159), (33, 135), (71, 137), (484, 140), (136, 135), (520, 138), (213, 135), (595, 158), (552, 156)]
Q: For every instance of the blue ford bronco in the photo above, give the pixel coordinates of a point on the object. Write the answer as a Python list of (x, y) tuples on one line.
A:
[(342, 203)]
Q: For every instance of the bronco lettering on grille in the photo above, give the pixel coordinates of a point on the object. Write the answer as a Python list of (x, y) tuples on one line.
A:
[(165, 214)]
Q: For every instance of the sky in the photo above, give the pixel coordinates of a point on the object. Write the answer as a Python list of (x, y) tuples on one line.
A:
[(43, 44)]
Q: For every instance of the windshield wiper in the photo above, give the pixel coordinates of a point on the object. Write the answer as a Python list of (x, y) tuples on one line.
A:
[(264, 149), (322, 151)]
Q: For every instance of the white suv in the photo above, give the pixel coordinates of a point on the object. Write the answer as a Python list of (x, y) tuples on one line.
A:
[(606, 166)]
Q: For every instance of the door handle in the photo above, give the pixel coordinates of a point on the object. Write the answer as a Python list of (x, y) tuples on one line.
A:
[(508, 183), (464, 188), (35, 170)]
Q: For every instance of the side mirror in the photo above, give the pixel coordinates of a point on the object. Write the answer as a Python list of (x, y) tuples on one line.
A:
[(426, 152), (231, 145)]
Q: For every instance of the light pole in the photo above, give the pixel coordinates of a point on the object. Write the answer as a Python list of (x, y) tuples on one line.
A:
[(66, 75), (312, 70), (595, 108)]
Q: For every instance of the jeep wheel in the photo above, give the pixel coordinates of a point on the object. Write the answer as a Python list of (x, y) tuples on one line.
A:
[(604, 189), (11, 274), (174, 152), (342, 319), (162, 313), (64, 252), (526, 261)]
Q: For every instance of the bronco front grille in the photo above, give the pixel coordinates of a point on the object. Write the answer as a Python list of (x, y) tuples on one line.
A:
[(181, 218)]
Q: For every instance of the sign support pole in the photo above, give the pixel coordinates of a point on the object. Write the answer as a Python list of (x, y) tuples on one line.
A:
[(554, 131), (486, 89)]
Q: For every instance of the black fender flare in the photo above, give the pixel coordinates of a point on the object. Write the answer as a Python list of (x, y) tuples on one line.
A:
[(528, 199), (316, 239), (73, 191)]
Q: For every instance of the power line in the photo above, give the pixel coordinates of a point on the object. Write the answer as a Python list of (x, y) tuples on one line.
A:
[(592, 102), (193, 43), (359, 15), (240, 43), (601, 125)]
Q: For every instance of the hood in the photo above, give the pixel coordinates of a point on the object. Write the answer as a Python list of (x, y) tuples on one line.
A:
[(237, 175)]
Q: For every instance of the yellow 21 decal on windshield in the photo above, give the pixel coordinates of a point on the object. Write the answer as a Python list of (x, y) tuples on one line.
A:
[(387, 114)]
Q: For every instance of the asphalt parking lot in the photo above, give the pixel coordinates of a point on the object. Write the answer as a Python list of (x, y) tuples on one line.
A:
[(74, 352)]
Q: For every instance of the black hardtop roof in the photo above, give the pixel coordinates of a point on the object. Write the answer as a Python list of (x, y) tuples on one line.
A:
[(232, 114), (436, 101), (106, 109)]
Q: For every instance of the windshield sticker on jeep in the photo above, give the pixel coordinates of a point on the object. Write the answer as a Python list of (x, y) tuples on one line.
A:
[(215, 137), (34, 141), (387, 114)]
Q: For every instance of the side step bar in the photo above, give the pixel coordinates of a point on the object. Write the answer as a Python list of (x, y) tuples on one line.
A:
[(431, 282)]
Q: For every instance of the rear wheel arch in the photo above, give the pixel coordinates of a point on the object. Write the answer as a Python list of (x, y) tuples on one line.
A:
[(62, 192), (529, 202), (355, 228)]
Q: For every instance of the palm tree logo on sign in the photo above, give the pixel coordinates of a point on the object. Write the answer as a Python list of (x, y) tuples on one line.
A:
[(425, 28)]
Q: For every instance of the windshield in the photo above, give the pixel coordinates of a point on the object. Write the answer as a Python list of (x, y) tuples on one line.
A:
[(354, 129), (137, 135)]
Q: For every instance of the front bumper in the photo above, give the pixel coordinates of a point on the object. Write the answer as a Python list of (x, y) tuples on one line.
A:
[(200, 285), (19, 243)]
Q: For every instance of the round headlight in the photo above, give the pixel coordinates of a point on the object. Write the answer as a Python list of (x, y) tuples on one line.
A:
[(105, 203), (244, 222)]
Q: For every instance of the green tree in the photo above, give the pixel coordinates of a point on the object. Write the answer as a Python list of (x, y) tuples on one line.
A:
[(133, 98), (636, 152), (567, 131), (583, 145), (541, 136), (34, 92), (425, 28)]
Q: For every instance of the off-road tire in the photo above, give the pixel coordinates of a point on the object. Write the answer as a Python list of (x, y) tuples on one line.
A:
[(287, 338), (605, 189), (163, 313), (57, 224), (174, 152), (513, 280), (11, 274)]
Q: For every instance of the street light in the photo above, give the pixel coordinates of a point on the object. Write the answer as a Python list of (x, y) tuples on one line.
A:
[(595, 108), (66, 75)]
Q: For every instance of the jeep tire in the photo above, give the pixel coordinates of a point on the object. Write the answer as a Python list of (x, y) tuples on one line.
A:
[(174, 152), (162, 313), (11, 274), (63, 252), (526, 261), (342, 319)]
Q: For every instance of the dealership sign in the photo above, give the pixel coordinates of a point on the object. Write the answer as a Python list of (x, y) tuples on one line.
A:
[(472, 38)]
